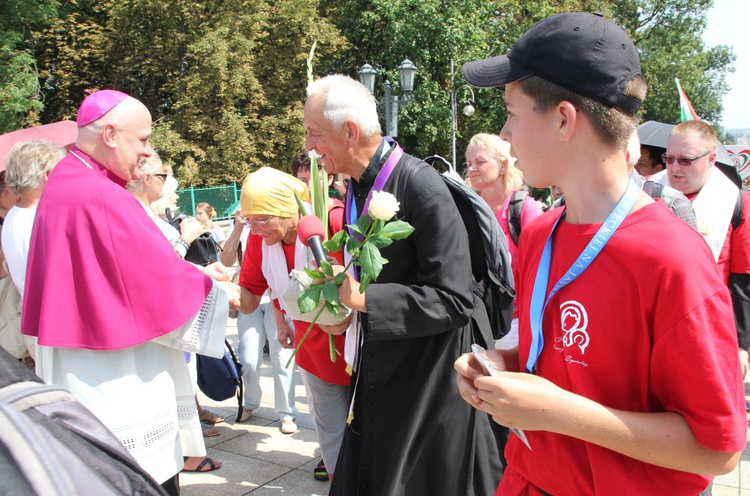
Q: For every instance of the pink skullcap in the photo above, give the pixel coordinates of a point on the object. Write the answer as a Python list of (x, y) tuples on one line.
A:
[(97, 104)]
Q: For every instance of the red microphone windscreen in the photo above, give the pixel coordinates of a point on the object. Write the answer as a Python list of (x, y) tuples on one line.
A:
[(309, 226)]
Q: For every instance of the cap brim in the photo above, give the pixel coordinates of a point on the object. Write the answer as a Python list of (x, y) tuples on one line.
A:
[(494, 72)]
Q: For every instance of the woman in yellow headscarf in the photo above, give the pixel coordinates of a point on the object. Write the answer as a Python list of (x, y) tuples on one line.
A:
[(273, 250)]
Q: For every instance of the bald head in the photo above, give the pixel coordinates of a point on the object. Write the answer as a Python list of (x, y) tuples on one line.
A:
[(119, 139)]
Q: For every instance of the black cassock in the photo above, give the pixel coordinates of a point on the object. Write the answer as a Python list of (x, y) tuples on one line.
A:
[(412, 434)]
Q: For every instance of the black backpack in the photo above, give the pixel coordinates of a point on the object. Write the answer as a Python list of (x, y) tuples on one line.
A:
[(203, 250), (514, 214), (490, 260), (51, 444)]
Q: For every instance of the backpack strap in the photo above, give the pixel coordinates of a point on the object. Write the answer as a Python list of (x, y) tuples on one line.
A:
[(737, 214), (666, 194), (653, 189), (514, 214)]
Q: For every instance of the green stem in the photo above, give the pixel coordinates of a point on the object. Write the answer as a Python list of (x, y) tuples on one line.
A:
[(332, 347), (304, 336), (331, 337)]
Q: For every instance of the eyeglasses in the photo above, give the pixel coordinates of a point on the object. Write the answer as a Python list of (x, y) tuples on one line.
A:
[(669, 159), (259, 223), (163, 177)]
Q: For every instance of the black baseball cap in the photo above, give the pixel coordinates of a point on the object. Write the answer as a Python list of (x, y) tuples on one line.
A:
[(583, 52)]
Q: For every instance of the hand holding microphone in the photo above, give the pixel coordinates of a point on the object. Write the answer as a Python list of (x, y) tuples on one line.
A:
[(311, 232)]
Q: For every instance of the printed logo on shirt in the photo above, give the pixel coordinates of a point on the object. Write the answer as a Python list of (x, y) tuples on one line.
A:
[(574, 321)]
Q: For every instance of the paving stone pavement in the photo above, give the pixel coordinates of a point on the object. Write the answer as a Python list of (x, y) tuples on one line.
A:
[(259, 460)]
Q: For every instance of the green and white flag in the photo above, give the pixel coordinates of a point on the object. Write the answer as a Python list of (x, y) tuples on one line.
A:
[(687, 112)]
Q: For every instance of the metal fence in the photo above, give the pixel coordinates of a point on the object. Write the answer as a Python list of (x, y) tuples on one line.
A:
[(223, 199)]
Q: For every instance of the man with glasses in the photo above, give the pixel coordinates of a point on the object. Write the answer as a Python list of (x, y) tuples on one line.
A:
[(690, 158)]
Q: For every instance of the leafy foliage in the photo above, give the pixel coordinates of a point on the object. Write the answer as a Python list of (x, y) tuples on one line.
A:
[(225, 80), (20, 93)]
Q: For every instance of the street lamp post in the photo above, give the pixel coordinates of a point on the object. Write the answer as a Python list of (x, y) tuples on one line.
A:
[(468, 110), (388, 105)]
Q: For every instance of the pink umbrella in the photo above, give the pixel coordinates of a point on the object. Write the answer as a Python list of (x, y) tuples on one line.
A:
[(62, 133)]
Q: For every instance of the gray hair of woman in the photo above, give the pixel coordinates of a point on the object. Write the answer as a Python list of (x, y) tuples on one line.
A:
[(150, 166), (29, 163), (347, 100)]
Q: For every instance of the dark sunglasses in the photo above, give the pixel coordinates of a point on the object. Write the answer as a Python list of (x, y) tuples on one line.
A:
[(669, 159)]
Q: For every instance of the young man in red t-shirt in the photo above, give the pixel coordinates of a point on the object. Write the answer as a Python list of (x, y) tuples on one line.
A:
[(626, 328)]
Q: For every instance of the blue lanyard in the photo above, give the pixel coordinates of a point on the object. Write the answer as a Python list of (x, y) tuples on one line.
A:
[(595, 246)]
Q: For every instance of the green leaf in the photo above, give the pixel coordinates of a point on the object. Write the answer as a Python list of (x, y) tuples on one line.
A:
[(310, 78), (379, 241), (319, 194), (352, 246), (332, 307), (397, 229), (336, 243), (363, 224), (339, 279), (356, 229), (363, 283), (300, 204), (314, 274), (331, 293), (327, 268), (308, 300), (370, 261)]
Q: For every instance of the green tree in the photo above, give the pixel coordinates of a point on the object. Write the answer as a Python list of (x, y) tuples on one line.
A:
[(20, 95), (71, 58), (225, 80), (668, 34)]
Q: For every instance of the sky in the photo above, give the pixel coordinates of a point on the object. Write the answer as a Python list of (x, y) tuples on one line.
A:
[(728, 25)]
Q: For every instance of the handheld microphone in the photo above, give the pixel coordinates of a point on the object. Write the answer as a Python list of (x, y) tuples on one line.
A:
[(311, 232)]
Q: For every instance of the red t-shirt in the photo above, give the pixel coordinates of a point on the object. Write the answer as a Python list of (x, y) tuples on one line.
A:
[(313, 356), (648, 327)]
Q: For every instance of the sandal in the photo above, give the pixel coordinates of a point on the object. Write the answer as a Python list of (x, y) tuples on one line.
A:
[(205, 465), (210, 417), (319, 472), (209, 430)]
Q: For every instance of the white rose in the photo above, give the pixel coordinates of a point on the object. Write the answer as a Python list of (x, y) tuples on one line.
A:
[(313, 154), (383, 206)]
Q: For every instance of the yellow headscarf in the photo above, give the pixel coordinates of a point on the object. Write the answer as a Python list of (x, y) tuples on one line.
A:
[(269, 191)]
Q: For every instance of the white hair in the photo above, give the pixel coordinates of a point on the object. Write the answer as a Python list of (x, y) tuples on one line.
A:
[(347, 100), (161, 205), (633, 151), (150, 166)]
